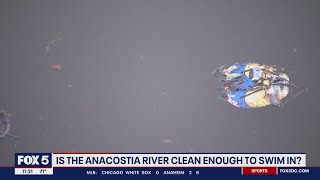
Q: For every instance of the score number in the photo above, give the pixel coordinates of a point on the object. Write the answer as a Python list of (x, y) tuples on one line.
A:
[(197, 172)]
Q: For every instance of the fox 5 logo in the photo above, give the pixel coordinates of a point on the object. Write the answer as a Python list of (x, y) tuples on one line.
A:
[(33, 160)]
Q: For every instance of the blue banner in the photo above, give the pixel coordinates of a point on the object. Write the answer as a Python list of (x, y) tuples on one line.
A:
[(8, 173)]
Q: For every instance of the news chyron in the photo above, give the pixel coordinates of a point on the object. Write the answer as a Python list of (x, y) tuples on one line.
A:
[(33, 164)]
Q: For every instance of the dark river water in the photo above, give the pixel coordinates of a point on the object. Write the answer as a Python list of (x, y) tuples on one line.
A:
[(133, 75)]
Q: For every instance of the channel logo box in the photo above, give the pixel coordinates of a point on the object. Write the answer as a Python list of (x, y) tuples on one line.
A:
[(34, 160)]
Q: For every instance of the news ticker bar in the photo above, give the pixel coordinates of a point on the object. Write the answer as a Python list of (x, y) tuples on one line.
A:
[(164, 171), (262, 164)]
